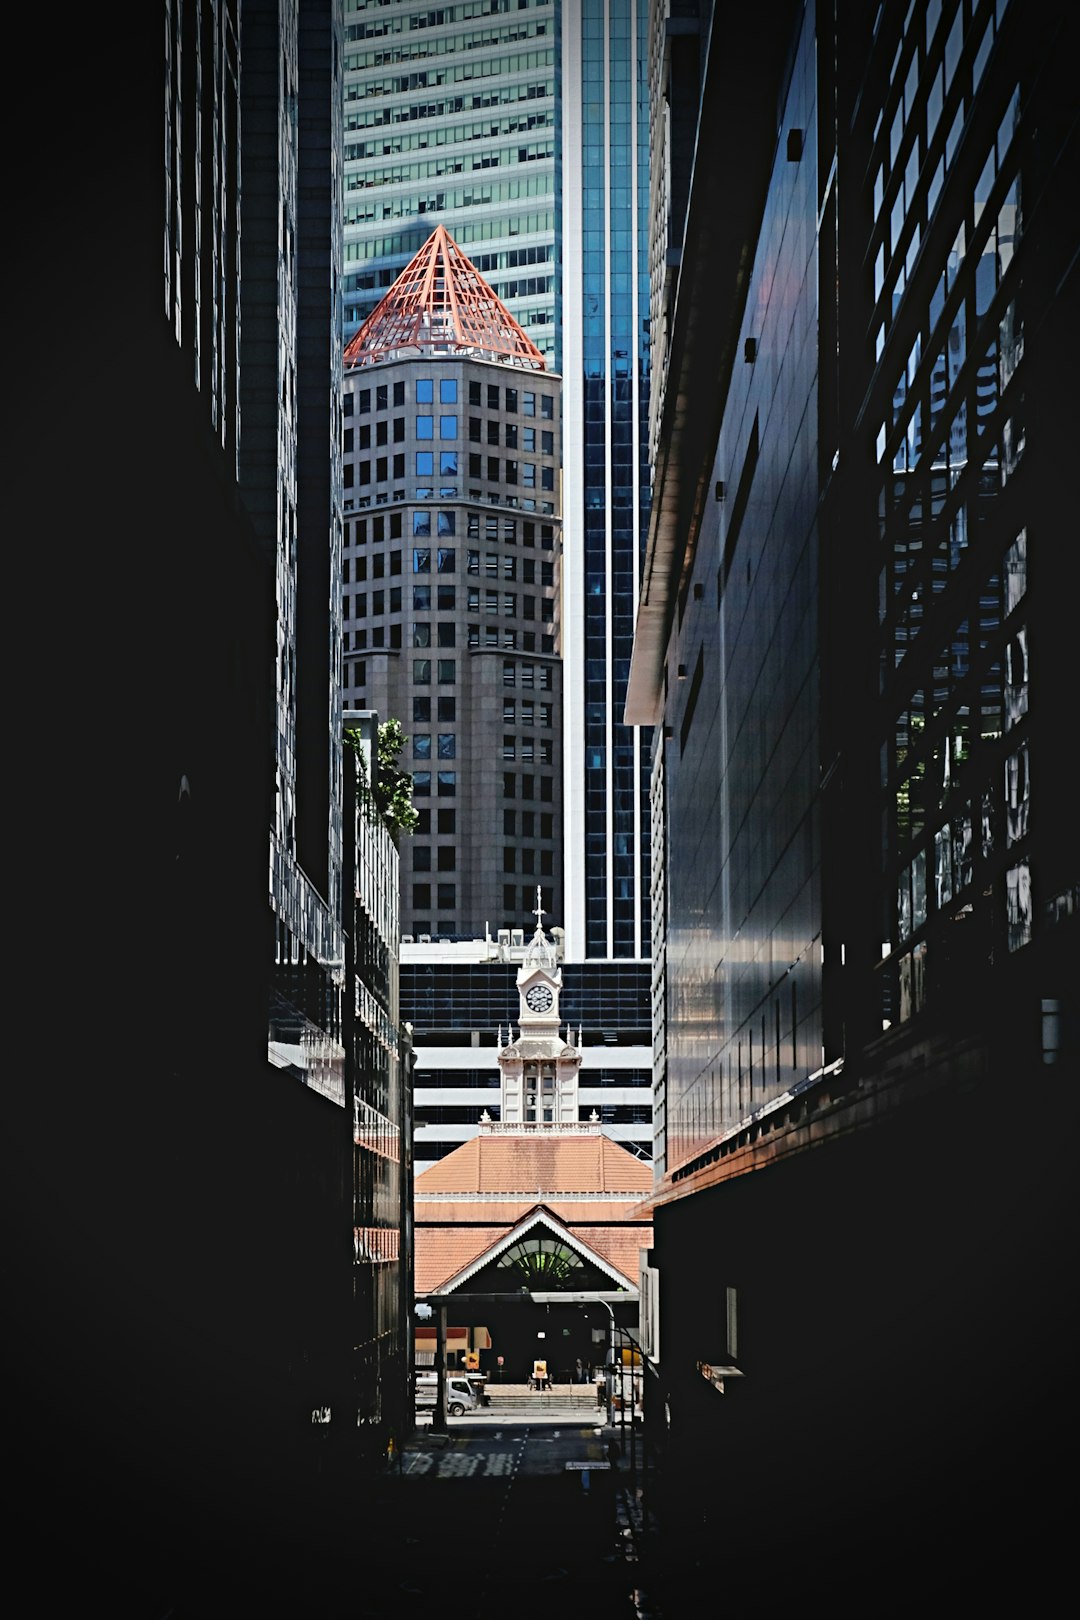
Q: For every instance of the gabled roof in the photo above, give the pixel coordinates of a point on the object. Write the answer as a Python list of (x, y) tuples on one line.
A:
[(446, 1259), (441, 304), (536, 1164)]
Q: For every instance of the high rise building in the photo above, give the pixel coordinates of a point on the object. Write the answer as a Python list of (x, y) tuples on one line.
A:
[(524, 130), (452, 586), (603, 316), (853, 643)]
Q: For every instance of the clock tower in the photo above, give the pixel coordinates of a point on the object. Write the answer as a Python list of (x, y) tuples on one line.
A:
[(539, 1069)]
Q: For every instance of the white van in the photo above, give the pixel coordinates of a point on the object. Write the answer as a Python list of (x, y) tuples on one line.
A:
[(460, 1395)]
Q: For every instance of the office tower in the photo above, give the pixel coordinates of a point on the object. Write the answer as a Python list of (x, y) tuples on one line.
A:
[(450, 118), (605, 363), (853, 643), (186, 1196), (453, 517), (458, 994)]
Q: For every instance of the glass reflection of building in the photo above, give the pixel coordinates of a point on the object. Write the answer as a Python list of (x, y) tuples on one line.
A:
[(948, 326)]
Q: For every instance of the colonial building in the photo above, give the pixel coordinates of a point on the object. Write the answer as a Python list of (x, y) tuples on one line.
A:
[(536, 1201)]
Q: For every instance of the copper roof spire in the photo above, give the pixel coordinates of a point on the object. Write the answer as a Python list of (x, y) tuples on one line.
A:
[(441, 304)]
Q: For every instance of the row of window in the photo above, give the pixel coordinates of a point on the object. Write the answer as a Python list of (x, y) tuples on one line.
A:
[(374, 115), (493, 637), (532, 751), (524, 786), (505, 528), (529, 861), (510, 472), (512, 437)]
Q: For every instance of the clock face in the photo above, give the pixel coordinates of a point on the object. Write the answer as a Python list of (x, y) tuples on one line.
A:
[(539, 998)]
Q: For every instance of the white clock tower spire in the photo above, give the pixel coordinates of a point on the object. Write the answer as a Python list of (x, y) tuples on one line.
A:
[(539, 1071)]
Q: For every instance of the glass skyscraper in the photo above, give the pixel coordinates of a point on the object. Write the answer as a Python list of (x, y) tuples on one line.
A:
[(605, 363)]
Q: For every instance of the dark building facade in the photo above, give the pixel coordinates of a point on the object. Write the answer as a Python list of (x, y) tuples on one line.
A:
[(853, 642), (188, 1277)]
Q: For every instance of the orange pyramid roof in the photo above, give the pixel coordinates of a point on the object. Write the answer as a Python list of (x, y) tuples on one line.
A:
[(441, 304)]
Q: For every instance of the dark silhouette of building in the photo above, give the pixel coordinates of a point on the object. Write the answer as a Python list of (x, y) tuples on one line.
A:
[(854, 641), (186, 1290)]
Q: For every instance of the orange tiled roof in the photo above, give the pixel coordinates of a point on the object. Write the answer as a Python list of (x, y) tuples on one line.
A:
[(537, 1164), (443, 1252)]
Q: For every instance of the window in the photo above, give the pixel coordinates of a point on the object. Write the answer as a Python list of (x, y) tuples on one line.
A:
[(421, 747), (448, 745), (447, 709), (526, 714), (380, 433), (528, 404), (447, 635), (472, 635), (421, 896), (425, 464), (474, 393), (421, 559), (447, 427), (421, 523), (508, 823), (509, 898), (474, 430), (547, 610), (547, 573), (511, 472), (421, 635), (476, 466), (493, 396), (425, 427), (447, 896), (473, 562), (528, 440), (510, 675), (421, 671), (399, 469), (363, 400), (348, 407), (425, 391), (446, 556), (422, 782), (493, 469), (378, 601), (547, 444), (448, 463), (509, 605), (395, 562), (547, 478), (395, 598), (380, 397), (491, 564), (509, 785), (447, 784), (446, 599), (447, 671), (547, 407), (493, 432), (528, 474), (546, 789), (511, 399), (421, 710), (421, 598), (491, 601), (421, 858), (399, 393), (509, 749), (511, 436), (448, 857), (509, 566), (509, 856), (545, 714), (448, 821), (447, 390)]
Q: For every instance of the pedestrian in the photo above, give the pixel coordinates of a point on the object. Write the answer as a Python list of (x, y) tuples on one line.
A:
[(579, 1371)]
